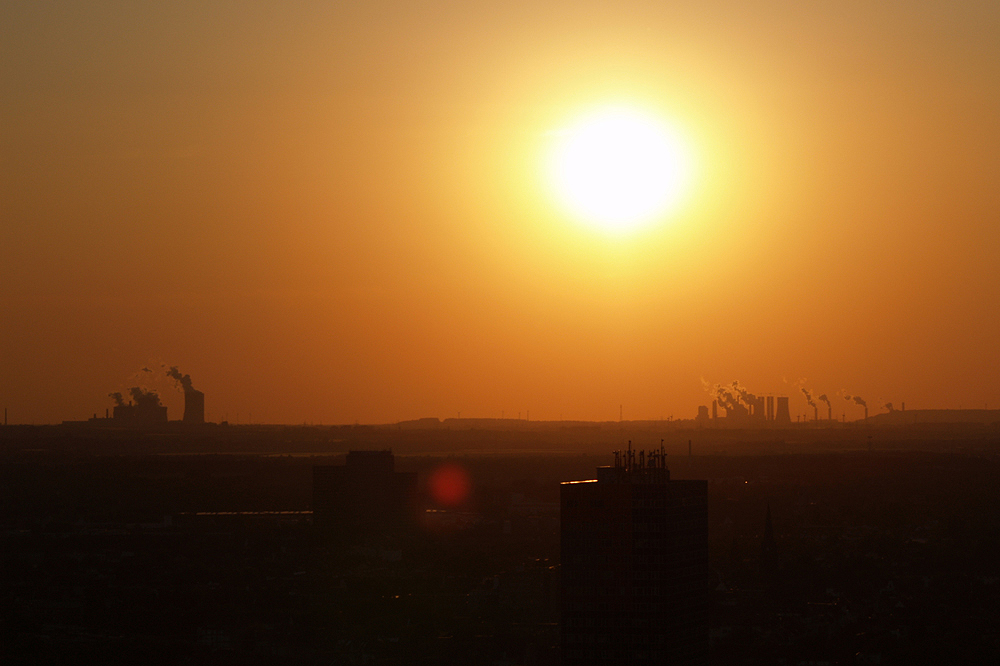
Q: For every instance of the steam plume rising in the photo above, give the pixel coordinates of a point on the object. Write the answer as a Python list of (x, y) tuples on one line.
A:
[(726, 399), (194, 400), (748, 398), (808, 397), (117, 397), (859, 400), (184, 381), (829, 407), (143, 397), (888, 406)]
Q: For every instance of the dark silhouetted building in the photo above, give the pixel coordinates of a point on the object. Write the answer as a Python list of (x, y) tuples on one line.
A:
[(194, 406), (634, 565), (702, 418), (145, 412), (364, 496)]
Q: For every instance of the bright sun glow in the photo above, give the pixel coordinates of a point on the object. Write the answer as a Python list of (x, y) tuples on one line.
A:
[(619, 169)]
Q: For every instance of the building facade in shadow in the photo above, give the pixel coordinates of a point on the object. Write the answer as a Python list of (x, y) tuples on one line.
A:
[(634, 551), (364, 496)]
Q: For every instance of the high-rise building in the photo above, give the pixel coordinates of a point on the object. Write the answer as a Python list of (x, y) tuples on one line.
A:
[(634, 574), (364, 496)]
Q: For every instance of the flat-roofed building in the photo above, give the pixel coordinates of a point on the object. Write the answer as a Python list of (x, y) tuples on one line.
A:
[(364, 496), (634, 553)]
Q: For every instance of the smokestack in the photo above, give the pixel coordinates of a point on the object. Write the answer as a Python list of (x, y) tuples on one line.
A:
[(860, 401), (815, 413), (902, 407), (829, 407)]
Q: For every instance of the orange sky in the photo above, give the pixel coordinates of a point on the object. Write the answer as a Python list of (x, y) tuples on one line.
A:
[(333, 212)]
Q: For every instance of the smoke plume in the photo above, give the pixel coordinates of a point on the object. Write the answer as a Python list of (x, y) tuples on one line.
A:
[(859, 400), (118, 398), (143, 397), (726, 399), (888, 406), (808, 397), (183, 381), (747, 397), (826, 400)]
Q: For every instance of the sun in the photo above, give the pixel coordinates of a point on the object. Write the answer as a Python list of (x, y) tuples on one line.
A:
[(618, 169)]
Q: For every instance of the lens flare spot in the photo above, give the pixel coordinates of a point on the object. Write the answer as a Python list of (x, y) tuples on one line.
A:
[(450, 485)]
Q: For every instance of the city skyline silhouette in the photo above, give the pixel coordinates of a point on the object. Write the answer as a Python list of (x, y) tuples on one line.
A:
[(317, 318)]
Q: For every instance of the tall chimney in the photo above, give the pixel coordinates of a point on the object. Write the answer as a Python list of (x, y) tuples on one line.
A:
[(815, 413)]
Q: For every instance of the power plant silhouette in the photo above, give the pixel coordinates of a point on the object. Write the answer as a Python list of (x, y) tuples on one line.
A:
[(743, 409), (144, 409)]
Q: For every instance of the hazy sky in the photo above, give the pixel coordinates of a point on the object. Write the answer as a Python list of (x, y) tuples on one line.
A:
[(334, 212)]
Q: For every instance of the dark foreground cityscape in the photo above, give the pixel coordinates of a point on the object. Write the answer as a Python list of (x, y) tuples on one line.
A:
[(483, 542), (714, 286)]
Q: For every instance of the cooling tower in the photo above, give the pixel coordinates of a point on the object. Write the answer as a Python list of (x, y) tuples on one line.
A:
[(781, 414), (194, 406)]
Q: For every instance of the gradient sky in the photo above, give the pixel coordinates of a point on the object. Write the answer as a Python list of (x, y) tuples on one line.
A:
[(333, 212)]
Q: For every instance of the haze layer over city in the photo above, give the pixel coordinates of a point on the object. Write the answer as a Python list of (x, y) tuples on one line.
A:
[(340, 213)]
